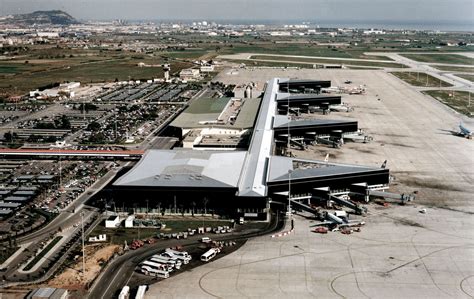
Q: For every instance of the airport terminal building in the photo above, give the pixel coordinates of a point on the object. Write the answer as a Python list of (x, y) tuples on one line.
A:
[(242, 177)]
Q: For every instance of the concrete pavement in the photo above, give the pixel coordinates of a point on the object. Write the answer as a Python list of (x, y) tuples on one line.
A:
[(400, 253)]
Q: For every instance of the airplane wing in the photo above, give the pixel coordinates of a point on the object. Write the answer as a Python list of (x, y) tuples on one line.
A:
[(324, 223)]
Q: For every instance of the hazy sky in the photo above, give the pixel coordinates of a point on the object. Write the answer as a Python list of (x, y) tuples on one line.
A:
[(323, 10)]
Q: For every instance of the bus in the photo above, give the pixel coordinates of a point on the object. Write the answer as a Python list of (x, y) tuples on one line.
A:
[(165, 260), (169, 254), (141, 292), (150, 271), (124, 293), (208, 255), (180, 254)]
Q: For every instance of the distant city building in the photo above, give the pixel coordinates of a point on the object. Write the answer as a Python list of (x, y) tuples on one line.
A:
[(374, 31)]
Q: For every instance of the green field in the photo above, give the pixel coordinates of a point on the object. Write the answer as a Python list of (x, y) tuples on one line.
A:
[(441, 58), (466, 76), (92, 72), (328, 61), (450, 68), (9, 69), (271, 63), (301, 49), (458, 100), (420, 79)]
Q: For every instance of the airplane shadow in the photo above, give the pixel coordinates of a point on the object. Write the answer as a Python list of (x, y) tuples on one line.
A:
[(449, 132)]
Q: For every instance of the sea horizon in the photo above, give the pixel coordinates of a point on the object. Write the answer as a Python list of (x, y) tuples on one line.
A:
[(387, 25)]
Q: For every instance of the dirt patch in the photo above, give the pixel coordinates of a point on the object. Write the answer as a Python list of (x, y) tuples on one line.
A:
[(96, 256), (430, 183), (407, 222), (400, 144)]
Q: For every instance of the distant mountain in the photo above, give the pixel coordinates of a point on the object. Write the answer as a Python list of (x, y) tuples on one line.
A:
[(52, 17)]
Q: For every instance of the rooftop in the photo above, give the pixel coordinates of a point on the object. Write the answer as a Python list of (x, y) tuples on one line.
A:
[(185, 168), (211, 112)]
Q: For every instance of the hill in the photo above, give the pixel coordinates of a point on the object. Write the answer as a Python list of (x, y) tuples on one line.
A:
[(50, 17)]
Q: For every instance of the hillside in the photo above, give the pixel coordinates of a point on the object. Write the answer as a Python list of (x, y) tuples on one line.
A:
[(51, 17)]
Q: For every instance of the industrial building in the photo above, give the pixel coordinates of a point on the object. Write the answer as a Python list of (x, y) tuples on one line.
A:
[(241, 182)]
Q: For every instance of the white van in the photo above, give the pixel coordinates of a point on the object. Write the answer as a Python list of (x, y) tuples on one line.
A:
[(206, 240), (208, 255)]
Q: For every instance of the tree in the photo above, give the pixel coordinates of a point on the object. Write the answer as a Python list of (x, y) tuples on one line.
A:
[(205, 201), (94, 126), (8, 136)]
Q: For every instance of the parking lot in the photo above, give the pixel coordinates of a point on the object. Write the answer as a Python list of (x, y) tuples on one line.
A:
[(33, 192), (120, 114)]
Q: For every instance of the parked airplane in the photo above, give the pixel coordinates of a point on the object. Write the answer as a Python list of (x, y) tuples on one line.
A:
[(465, 132)]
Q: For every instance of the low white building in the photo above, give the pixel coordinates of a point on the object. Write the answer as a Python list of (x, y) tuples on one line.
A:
[(99, 238), (189, 74), (112, 222), (207, 68), (129, 221)]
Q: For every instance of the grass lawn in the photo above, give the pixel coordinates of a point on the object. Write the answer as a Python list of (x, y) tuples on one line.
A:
[(458, 100), (466, 76), (271, 63), (441, 58), (302, 49), (121, 234), (420, 79), (328, 61), (454, 68)]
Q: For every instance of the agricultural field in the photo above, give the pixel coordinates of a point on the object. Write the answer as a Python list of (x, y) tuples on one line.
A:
[(421, 79), (38, 69), (458, 100)]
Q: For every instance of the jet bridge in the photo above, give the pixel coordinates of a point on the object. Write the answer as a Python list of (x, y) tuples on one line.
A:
[(371, 191), (325, 193)]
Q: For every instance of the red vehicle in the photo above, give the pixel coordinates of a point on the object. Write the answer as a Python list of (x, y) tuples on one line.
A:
[(321, 230), (136, 244)]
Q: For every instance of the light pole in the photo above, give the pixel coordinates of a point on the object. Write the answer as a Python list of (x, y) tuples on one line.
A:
[(83, 249), (289, 193)]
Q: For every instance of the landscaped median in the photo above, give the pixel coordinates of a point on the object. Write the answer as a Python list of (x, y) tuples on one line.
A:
[(317, 60), (421, 79), (43, 252), (458, 100)]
